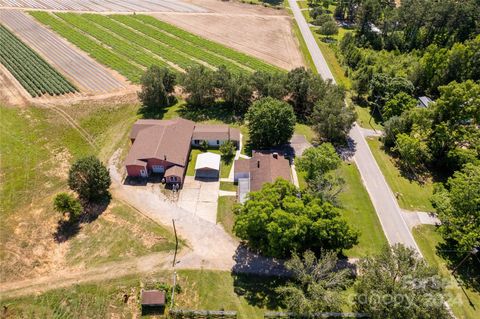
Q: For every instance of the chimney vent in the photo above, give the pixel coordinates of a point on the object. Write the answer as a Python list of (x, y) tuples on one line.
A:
[(258, 164), (165, 157), (275, 155)]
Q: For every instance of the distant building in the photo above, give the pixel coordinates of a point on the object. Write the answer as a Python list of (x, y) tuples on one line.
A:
[(263, 167), (424, 101)]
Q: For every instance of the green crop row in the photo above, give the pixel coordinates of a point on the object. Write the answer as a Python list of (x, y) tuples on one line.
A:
[(159, 49), (33, 73), (119, 45), (222, 50), (182, 46), (92, 47)]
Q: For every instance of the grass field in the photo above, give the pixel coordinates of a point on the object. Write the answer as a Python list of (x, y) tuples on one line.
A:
[(365, 120), (137, 42), (463, 300), (33, 72), (305, 130), (225, 215), (228, 186), (38, 146), (412, 194), (119, 233), (250, 296)]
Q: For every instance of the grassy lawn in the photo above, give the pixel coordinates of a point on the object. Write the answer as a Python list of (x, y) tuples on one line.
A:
[(225, 167), (332, 62), (118, 233), (225, 213), (464, 301), (228, 186), (412, 195), (250, 296), (305, 130), (359, 212), (365, 120)]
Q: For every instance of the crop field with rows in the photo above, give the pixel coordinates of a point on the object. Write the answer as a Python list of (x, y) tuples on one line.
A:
[(33, 73), (131, 43)]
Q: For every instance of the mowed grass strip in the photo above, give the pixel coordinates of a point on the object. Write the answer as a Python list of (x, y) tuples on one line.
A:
[(92, 47), (232, 54), (411, 195), (32, 71), (181, 45)]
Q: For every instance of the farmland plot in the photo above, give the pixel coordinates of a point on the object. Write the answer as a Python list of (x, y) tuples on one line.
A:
[(104, 5), (140, 42), (33, 73), (90, 76)]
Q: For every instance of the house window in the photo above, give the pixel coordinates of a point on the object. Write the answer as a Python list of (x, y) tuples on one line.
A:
[(173, 178), (218, 142), (196, 141)]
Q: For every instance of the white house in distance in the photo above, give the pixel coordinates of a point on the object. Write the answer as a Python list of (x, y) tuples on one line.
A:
[(207, 166), (215, 135)]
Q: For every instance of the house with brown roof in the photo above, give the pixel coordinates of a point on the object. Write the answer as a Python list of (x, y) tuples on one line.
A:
[(263, 167), (163, 146), (215, 135)]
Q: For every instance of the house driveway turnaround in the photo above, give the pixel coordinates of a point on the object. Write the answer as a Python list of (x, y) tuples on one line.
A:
[(200, 198)]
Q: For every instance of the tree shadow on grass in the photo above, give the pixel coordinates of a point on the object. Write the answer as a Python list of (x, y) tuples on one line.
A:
[(156, 112), (468, 273), (69, 228), (259, 291), (217, 112)]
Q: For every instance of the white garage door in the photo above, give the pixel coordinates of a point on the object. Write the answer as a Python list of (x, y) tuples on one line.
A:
[(158, 168)]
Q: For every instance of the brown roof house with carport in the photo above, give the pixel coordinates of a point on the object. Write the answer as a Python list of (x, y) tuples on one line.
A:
[(163, 146), (263, 167)]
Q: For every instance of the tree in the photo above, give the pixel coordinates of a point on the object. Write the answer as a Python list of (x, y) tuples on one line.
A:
[(329, 28), (322, 19), (67, 204), (267, 84), (458, 207), (228, 150), (235, 89), (89, 178), (397, 283), (319, 160), (157, 85), (317, 284), (331, 119), (270, 122), (278, 220), (199, 83), (391, 128), (398, 104), (413, 152), (318, 163)]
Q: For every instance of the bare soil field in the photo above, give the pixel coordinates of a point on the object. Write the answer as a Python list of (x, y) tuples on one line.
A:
[(90, 76), (262, 32), (103, 5)]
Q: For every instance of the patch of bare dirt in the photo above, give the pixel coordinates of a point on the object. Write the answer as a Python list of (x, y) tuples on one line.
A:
[(265, 33), (11, 92)]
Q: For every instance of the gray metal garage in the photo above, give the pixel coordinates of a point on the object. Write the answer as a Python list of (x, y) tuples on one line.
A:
[(207, 166)]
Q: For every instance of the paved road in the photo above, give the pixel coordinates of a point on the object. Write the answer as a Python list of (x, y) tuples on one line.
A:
[(312, 46), (386, 206)]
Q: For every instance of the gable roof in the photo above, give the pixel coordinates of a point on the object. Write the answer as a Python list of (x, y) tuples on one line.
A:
[(208, 160), (164, 140), (215, 132), (264, 167)]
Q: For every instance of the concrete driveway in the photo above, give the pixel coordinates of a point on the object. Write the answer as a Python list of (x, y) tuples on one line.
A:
[(200, 198)]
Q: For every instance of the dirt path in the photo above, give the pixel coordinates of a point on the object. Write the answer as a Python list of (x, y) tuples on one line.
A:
[(68, 277)]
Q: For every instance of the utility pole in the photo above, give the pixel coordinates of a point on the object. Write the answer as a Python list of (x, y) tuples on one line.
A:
[(176, 243)]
